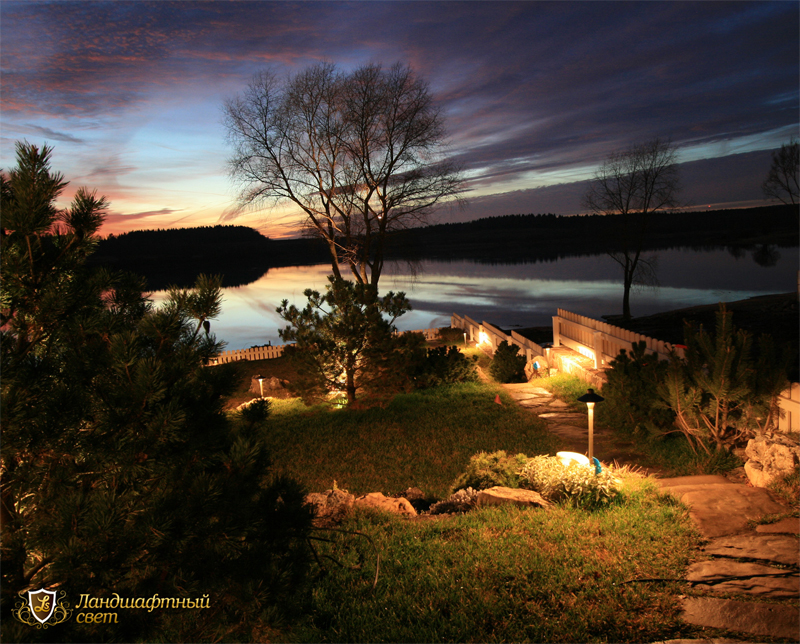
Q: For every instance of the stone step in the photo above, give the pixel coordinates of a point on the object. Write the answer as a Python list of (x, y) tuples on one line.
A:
[(755, 618), (718, 576), (721, 509), (779, 549)]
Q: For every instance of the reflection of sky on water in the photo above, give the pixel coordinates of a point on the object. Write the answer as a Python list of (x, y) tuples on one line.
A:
[(514, 294)]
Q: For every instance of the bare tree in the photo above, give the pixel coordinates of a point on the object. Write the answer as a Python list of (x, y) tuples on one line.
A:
[(631, 185), (782, 180), (360, 153)]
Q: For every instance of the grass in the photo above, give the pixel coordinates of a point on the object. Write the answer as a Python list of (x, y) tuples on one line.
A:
[(494, 574), (508, 574), (422, 439), (567, 388)]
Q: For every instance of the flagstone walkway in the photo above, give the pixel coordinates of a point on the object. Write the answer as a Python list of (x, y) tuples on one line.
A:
[(746, 582)]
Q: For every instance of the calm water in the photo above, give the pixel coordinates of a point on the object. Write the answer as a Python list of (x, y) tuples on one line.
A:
[(515, 294)]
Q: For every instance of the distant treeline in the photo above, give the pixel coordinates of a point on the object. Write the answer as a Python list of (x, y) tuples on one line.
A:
[(175, 256), (242, 254), (521, 238)]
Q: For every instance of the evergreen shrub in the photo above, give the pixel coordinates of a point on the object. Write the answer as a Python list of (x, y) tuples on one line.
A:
[(632, 402), (486, 470), (506, 365), (445, 365)]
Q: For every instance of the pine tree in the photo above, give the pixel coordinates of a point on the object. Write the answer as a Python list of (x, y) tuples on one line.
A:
[(721, 394), (121, 473), (342, 340)]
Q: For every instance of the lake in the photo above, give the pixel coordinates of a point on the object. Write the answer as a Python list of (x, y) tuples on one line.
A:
[(518, 295)]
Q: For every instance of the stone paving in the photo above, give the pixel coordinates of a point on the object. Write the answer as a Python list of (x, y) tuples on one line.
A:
[(746, 581)]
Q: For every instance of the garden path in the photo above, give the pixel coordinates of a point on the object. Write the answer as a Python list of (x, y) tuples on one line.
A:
[(746, 579)]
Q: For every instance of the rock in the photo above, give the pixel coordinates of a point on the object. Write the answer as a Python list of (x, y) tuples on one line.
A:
[(770, 458), (330, 507), (720, 507), (721, 576), (413, 494), (775, 548), (757, 618), (558, 403), (378, 501), (509, 496), (460, 501), (266, 385), (790, 525)]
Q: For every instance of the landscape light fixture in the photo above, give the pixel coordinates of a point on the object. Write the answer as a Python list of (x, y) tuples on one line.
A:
[(590, 398)]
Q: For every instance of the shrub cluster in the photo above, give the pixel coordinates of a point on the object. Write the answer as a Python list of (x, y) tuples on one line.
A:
[(506, 365), (486, 470), (445, 365), (632, 402), (578, 484)]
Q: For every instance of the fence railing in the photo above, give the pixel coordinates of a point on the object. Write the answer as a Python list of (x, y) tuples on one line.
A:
[(600, 341), (430, 334), (490, 336), (789, 402), (266, 352)]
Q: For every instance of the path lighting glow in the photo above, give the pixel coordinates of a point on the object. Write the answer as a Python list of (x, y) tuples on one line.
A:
[(567, 458), (482, 337), (590, 398)]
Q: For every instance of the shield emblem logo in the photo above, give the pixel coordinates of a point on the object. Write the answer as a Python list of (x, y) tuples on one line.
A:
[(42, 604)]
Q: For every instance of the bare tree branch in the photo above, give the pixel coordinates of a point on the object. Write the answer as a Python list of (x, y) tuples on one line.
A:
[(360, 153)]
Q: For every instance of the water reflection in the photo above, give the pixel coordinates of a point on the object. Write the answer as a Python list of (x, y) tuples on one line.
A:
[(517, 294)]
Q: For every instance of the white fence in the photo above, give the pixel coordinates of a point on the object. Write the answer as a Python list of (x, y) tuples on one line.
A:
[(491, 337), (600, 341), (430, 334), (789, 402), (266, 352)]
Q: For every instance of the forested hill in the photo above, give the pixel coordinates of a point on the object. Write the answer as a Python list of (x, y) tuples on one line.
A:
[(178, 255), (521, 237), (242, 255)]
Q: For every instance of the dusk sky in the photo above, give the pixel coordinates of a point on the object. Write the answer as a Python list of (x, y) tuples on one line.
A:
[(535, 94)]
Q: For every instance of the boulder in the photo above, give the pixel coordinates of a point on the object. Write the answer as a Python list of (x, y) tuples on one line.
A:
[(770, 458), (377, 501), (264, 386), (510, 496), (330, 507)]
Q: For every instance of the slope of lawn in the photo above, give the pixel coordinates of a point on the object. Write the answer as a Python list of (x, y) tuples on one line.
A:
[(493, 574), (422, 439)]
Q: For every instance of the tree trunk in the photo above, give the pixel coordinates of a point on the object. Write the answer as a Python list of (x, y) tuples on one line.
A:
[(350, 386)]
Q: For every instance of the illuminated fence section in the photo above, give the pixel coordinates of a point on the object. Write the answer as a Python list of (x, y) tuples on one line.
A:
[(789, 402), (600, 341), (490, 337), (265, 352), (430, 334)]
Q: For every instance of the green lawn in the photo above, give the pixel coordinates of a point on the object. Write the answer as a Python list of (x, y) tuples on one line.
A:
[(507, 574), (423, 439), (495, 574)]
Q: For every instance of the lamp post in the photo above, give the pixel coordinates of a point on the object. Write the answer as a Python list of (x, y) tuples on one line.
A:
[(590, 398)]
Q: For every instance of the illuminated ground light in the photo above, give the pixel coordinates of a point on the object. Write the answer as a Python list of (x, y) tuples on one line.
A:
[(483, 338)]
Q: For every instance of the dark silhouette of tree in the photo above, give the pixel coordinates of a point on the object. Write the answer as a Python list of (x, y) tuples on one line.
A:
[(120, 472), (782, 181), (631, 185), (361, 154)]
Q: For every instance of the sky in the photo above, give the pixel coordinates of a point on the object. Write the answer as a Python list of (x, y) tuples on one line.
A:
[(535, 94)]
